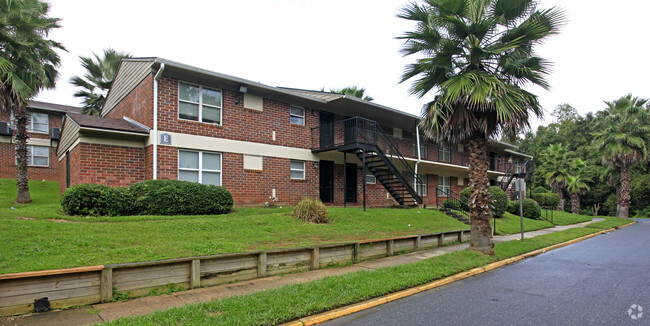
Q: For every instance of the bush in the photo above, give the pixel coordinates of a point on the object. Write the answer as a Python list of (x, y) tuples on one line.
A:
[(547, 200), (453, 204), (498, 197), (175, 197), (93, 199), (541, 190), (530, 208), (609, 206), (311, 210)]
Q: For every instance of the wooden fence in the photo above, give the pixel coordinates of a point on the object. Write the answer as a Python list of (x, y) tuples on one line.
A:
[(94, 284)]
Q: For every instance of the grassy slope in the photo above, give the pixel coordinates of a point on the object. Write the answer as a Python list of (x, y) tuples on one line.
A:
[(564, 218), (510, 224), (44, 244), (290, 302)]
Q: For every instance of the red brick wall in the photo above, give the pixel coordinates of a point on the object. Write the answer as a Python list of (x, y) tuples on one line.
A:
[(8, 154), (237, 123), (138, 104)]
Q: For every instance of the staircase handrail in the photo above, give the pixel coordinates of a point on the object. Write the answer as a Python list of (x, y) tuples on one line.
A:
[(456, 197)]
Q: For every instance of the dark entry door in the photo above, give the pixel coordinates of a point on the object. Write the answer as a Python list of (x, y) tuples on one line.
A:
[(326, 129), (351, 183), (326, 186)]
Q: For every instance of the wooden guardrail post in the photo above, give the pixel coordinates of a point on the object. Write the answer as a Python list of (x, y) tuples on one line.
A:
[(460, 236), (315, 258), (441, 239), (356, 253), (261, 264), (106, 285), (195, 274), (390, 247), (418, 240)]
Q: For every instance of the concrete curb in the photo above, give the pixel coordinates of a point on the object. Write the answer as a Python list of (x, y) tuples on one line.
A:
[(347, 310)]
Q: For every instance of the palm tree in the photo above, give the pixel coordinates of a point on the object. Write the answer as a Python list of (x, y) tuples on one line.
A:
[(577, 183), (28, 65), (97, 80), (555, 167), (622, 139), (478, 56), (358, 92)]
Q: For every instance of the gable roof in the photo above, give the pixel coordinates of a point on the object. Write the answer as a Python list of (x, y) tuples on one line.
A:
[(51, 107), (102, 123)]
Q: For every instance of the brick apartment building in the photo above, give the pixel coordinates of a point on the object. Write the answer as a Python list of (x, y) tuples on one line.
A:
[(43, 127), (167, 120)]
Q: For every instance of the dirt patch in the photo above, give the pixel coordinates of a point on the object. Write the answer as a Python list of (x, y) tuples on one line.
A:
[(26, 218), (58, 220)]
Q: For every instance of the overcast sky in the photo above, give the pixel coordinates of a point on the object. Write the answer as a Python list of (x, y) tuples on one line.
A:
[(599, 55)]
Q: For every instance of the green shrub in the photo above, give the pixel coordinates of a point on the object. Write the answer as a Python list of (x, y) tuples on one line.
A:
[(93, 199), (454, 204), (586, 212), (530, 208), (174, 197), (609, 206), (498, 197), (547, 200), (541, 190), (311, 210)]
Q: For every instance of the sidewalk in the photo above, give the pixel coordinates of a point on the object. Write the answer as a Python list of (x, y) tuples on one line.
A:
[(98, 313)]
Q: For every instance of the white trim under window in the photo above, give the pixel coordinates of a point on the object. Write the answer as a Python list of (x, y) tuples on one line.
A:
[(444, 185), (370, 178), (297, 115), (37, 156), (297, 170), (444, 152), (198, 103), (421, 187), (201, 167)]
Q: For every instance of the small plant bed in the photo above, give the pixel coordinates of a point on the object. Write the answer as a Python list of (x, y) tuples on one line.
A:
[(37, 236), (291, 302), (564, 218), (510, 224)]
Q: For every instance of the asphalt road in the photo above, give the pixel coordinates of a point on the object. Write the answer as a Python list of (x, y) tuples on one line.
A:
[(593, 282)]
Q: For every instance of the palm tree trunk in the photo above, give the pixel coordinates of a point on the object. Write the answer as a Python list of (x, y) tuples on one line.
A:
[(479, 201), (624, 200), (560, 206), (575, 203), (21, 153)]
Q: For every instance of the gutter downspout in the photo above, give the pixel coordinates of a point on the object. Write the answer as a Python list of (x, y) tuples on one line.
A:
[(417, 139), (155, 120)]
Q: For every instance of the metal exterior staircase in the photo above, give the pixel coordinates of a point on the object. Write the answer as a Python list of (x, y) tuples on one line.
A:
[(510, 175)]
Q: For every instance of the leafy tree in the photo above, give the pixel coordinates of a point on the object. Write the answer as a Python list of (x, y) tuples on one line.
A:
[(555, 167), (478, 57), (28, 64), (576, 183), (97, 80), (352, 91), (622, 141)]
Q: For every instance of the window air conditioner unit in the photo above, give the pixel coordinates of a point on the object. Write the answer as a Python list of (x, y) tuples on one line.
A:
[(5, 128), (55, 134)]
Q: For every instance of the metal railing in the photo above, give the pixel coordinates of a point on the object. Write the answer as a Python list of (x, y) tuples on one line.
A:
[(456, 202)]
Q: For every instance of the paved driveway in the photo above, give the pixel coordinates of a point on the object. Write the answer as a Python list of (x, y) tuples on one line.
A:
[(593, 282)]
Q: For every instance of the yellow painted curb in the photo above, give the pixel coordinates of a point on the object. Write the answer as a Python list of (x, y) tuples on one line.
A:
[(347, 310)]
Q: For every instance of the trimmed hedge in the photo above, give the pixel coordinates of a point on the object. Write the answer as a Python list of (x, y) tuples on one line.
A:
[(541, 190), (498, 197), (153, 197), (530, 209), (549, 200)]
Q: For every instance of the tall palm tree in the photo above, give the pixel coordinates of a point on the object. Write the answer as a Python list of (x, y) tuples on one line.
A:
[(576, 183), (358, 92), (29, 64), (97, 80), (622, 139), (555, 167), (477, 55)]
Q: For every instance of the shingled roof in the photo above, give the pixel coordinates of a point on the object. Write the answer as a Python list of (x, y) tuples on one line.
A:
[(91, 121)]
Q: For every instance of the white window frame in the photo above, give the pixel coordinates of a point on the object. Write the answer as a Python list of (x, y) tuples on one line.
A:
[(444, 150), (201, 169), (291, 169), (30, 156), (444, 185), (200, 103), (422, 184), (370, 178), (423, 148), (30, 122), (292, 115)]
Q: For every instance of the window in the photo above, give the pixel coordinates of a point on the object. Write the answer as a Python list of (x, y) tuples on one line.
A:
[(36, 122), (297, 115), (370, 178), (297, 170), (201, 167), (517, 167), (37, 156), (444, 153), (197, 103), (443, 185), (423, 148), (421, 186)]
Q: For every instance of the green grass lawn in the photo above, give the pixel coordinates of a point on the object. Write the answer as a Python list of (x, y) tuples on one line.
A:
[(294, 301), (38, 236), (610, 222), (510, 224), (564, 218)]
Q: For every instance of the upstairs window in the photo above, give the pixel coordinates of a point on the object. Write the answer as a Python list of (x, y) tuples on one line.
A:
[(36, 122), (444, 153), (198, 103), (297, 115), (423, 148)]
